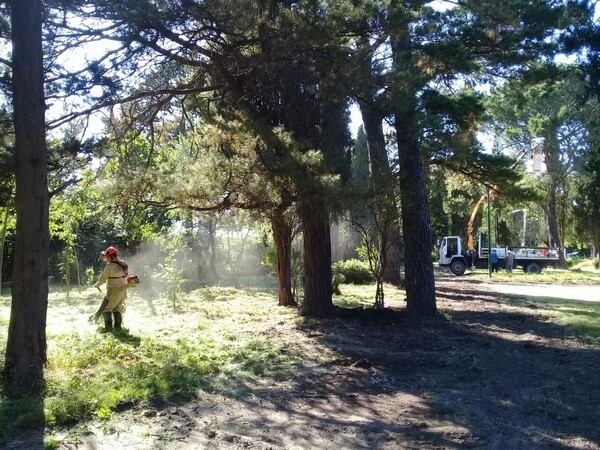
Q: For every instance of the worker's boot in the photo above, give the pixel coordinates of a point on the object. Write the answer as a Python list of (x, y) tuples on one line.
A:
[(108, 324), (118, 320)]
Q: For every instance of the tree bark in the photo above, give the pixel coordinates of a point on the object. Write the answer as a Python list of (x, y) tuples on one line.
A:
[(212, 244), (282, 236), (2, 241), (335, 241), (384, 185), (318, 287), (419, 277), (553, 166), (26, 345)]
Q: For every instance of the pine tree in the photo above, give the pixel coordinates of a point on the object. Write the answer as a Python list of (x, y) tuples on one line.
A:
[(26, 345), (384, 184), (540, 106)]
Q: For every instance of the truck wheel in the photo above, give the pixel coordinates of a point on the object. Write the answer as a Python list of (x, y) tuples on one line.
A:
[(458, 267), (533, 267)]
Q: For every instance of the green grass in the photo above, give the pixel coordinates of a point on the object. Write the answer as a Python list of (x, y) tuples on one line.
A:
[(220, 343), (20, 411), (585, 264), (224, 341), (547, 276), (363, 296), (582, 317), (92, 376)]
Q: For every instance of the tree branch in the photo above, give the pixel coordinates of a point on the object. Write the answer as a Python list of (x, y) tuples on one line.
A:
[(63, 186), (137, 96)]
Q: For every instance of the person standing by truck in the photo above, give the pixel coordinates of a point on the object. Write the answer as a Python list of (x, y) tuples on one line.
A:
[(494, 260), (510, 260), (115, 276)]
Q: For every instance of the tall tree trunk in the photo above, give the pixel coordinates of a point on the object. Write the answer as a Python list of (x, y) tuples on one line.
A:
[(282, 236), (553, 166), (419, 277), (26, 345), (555, 240), (318, 287), (2, 241), (384, 185), (335, 242), (78, 273), (212, 244)]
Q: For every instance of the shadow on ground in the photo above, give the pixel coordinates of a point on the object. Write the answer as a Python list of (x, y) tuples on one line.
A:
[(481, 376), (491, 379), (18, 411)]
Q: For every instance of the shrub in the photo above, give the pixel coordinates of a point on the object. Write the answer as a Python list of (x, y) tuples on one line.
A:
[(597, 263), (571, 262), (353, 271)]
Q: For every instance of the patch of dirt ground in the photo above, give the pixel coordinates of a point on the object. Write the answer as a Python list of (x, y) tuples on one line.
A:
[(484, 376)]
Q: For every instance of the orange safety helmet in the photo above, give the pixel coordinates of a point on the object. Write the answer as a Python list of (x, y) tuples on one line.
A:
[(110, 251)]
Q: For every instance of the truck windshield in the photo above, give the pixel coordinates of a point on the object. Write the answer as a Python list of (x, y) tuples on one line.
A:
[(452, 247)]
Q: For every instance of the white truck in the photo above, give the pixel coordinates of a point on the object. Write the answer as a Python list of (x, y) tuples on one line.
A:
[(531, 259)]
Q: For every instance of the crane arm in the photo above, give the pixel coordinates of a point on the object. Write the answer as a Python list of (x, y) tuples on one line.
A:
[(470, 240), (470, 225)]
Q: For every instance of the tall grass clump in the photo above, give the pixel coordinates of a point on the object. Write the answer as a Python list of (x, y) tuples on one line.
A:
[(93, 377), (218, 344)]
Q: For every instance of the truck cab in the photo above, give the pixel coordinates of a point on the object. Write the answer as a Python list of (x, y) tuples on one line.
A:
[(451, 254)]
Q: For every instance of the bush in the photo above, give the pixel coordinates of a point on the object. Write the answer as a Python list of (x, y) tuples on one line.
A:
[(571, 262), (597, 263), (354, 271)]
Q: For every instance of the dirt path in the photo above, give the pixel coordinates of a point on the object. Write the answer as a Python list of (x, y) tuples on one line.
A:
[(588, 293), (486, 377)]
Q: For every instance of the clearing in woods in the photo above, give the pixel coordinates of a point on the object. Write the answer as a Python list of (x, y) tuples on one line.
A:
[(230, 369)]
